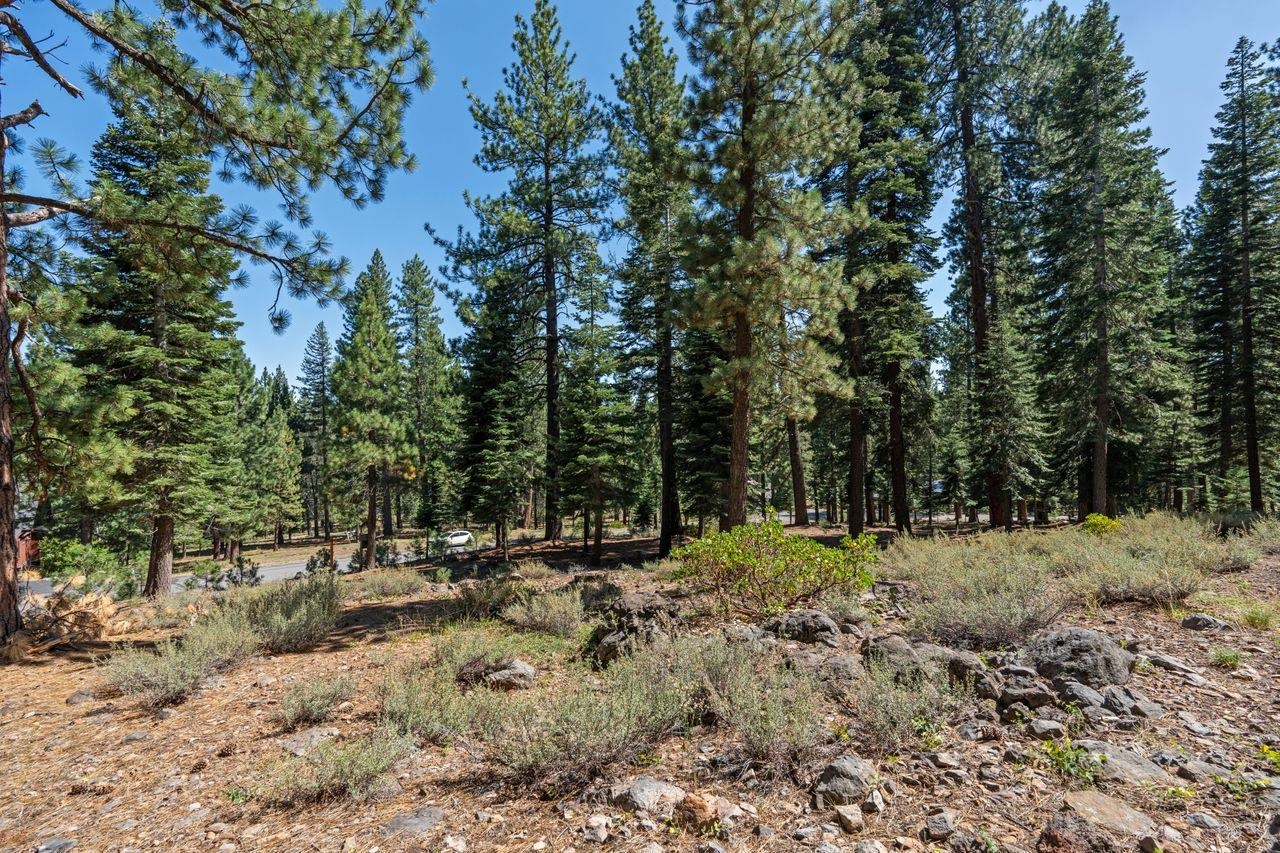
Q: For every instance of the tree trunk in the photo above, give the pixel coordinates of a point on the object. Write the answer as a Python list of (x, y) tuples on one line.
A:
[(800, 500), (160, 564), (86, 530), (597, 489), (897, 452), (371, 518), (739, 446), (10, 617), (384, 486), (669, 502), (233, 550), (552, 520)]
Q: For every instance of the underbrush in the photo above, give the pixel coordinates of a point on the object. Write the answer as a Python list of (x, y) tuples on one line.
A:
[(396, 583), (895, 710), (348, 769), (314, 701), (558, 613), (284, 617)]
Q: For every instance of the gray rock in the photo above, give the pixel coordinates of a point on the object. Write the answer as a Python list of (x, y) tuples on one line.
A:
[(845, 781), (511, 675), (1046, 729), (648, 794), (634, 619), (940, 825), (135, 737), (805, 626), (962, 667), (1123, 700), (1033, 694), (1204, 622), (850, 818), (55, 845), (1079, 654), (840, 669), (976, 730), (1068, 832), (1109, 813), (1123, 765), (869, 845), (1161, 660), (1203, 819), (80, 697), (301, 743), (1273, 834), (1081, 694)]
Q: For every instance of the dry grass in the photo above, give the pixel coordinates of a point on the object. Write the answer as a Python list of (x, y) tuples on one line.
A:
[(314, 701), (558, 613)]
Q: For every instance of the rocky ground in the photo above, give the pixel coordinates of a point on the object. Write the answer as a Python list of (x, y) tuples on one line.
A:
[(1123, 728)]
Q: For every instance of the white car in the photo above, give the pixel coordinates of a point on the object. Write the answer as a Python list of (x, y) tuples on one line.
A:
[(458, 539)]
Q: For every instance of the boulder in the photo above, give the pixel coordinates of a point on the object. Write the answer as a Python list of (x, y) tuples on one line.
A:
[(1123, 700), (1109, 813), (1081, 655), (1124, 765), (1067, 832), (635, 618), (805, 626), (1204, 622), (301, 743), (1081, 695), (513, 674), (962, 667), (845, 781)]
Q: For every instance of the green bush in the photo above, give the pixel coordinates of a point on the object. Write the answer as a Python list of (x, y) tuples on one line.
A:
[(558, 613), (314, 701), (1100, 525), (65, 558), (426, 702), (489, 598), (348, 769), (757, 570), (293, 615)]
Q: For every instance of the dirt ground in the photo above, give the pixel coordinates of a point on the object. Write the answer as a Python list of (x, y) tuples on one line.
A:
[(114, 776)]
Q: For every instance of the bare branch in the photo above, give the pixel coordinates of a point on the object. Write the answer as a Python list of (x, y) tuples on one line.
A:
[(25, 116), (37, 56)]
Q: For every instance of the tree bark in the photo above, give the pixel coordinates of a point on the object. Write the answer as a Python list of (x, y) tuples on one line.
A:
[(800, 500), (897, 451), (597, 490), (384, 486), (160, 564), (371, 518), (739, 446), (10, 616)]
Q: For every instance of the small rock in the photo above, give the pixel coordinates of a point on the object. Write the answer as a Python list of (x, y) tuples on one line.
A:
[(135, 737), (265, 681), (648, 794), (762, 831), (1081, 694), (869, 845), (974, 730), (55, 845), (845, 781), (940, 825), (1123, 765), (455, 843), (1169, 662), (850, 818), (511, 675), (874, 803), (1204, 622), (303, 742), (805, 626), (695, 811), (1067, 832), (415, 822), (80, 697), (166, 714), (1203, 819), (597, 828), (1047, 729)]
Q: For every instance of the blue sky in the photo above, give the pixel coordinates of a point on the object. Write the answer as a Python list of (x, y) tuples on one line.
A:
[(1181, 44)]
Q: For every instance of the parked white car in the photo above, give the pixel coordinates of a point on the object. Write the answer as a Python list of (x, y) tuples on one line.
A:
[(458, 539)]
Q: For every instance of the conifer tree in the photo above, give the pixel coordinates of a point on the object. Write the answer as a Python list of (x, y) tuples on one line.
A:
[(1235, 235), (157, 326), (276, 469), (366, 389), (301, 97), (541, 132), (647, 136), (761, 116), (315, 404), (1104, 268), (430, 390)]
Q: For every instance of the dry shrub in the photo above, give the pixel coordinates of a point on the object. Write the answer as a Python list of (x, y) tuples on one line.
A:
[(986, 592), (348, 769), (394, 583), (895, 710), (486, 599), (293, 615), (314, 701), (558, 613)]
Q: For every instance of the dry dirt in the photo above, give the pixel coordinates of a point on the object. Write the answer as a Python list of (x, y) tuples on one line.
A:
[(113, 776)]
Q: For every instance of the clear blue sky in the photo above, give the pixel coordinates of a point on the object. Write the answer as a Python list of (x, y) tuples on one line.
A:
[(1181, 44)]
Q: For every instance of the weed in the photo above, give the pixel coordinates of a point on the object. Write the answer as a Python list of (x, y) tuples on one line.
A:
[(1098, 524), (1226, 658), (558, 613), (1258, 617), (489, 598), (1073, 762), (1271, 756), (443, 575), (237, 795), (349, 769)]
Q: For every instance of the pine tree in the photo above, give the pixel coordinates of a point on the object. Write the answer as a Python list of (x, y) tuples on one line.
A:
[(366, 389), (541, 132), (648, 149), (315, 404), (1235, 235), (157, 326), (761, 116), (1104, 268), (276, 470), (430, 390), (304, 98)]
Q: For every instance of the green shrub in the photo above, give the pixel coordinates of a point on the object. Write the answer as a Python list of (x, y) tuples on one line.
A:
[(427, 703), (314, 701), (443, 575), (894, 710), (396, 583), (1074, 763), (558, 613), (1226, 658), (757, 570), (348, 769), (1258, 617), (293, 615), (63, 559), (1100, 525)]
